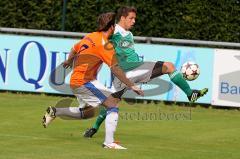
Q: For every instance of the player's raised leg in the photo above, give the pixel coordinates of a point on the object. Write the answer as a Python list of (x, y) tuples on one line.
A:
[(176, 77)]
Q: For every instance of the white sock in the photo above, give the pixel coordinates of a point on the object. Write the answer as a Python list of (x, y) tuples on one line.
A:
[(111, 124), (82, 104), (73, 112)]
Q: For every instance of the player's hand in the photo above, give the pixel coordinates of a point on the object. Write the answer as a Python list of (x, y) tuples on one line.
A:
[(137, 90), (67, 64)]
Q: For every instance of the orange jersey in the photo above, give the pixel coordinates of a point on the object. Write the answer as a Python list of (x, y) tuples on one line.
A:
[(91, 52)]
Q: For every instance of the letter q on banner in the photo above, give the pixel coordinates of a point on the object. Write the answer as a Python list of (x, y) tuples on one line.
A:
[(22, 66)]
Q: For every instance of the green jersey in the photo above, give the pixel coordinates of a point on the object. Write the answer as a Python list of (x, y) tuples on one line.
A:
[(123, 43)]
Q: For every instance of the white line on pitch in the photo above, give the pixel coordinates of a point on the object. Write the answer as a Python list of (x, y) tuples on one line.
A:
[(25, 136)]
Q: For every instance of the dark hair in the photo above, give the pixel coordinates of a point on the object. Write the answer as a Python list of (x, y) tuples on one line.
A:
[(123, 11), (105, 21)]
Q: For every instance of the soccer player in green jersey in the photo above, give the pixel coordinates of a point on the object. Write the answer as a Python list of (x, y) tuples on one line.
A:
[(137, 70)]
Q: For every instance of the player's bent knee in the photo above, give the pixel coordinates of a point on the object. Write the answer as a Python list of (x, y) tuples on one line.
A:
[(170, 67), (111, 101), (89, 112)]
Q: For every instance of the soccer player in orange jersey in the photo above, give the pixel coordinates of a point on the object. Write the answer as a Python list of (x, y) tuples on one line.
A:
[(87, 57)]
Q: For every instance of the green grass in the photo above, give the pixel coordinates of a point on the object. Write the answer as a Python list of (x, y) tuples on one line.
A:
[(204, 134)]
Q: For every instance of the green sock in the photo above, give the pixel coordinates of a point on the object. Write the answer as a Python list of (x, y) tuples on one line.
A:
[(101, 117), (177, 78)]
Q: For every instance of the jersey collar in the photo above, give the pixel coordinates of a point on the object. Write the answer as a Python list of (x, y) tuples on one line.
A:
[(121, 30)]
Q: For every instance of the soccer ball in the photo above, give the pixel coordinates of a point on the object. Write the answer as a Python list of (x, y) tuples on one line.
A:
[(190, 70)]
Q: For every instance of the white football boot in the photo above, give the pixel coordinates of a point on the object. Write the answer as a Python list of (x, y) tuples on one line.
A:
[(49, 116), (113, 146)]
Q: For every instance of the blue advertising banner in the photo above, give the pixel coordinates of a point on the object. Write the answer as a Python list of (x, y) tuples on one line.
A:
[(27, 63)]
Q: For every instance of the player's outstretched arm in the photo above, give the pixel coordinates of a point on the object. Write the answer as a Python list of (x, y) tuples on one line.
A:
[(117, 71)]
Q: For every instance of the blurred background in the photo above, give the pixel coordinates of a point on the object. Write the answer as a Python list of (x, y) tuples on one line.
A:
[(214, 20)]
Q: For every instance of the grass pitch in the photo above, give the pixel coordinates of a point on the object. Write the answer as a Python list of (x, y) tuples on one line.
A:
[(153, 131)]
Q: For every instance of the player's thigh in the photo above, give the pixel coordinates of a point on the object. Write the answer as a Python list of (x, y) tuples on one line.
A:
[(140, 74), (93, 93)]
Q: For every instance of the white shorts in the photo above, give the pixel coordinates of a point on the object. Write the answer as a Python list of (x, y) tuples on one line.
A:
[(93, 93), (141, 74)]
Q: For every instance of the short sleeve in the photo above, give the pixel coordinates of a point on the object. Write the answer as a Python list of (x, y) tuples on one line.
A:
[(76, 47), (81, 46)]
